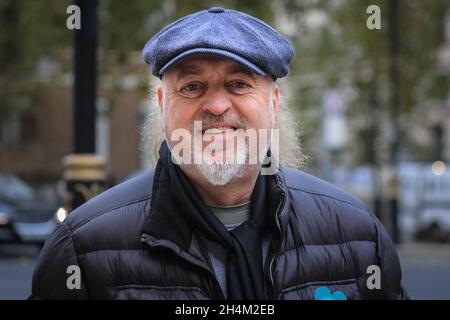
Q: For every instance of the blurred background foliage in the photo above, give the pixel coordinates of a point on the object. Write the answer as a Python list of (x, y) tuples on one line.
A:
[(334, 49)]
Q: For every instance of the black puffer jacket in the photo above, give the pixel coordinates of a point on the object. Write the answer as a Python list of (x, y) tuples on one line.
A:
[(128, 250)]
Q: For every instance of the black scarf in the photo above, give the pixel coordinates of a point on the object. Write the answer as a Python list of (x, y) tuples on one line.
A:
[(244, 265)]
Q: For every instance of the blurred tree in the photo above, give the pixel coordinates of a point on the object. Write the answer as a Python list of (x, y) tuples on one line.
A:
[(335, 49), (31, 31)]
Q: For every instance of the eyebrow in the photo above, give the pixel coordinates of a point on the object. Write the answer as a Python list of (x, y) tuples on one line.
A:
[(237, 68), (188, 70)]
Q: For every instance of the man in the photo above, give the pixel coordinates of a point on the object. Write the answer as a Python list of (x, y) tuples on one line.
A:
[(218, 218)]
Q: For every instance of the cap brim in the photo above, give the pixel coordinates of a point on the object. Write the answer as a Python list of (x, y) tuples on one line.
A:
[(210, 51)]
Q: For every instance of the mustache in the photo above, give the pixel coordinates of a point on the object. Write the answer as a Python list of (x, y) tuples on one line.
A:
[(208, 119)]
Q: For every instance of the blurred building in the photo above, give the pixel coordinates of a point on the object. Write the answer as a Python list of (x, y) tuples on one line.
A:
[(33, 144)]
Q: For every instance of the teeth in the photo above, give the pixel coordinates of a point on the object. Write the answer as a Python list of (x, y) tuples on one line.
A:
[(218, 130)]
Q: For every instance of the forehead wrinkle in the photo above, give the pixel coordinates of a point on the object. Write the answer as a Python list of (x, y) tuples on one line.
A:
[(211, 64), (189, 69), (237, 68)]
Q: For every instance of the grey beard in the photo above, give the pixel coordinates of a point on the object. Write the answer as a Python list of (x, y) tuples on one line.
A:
[(218, 174)]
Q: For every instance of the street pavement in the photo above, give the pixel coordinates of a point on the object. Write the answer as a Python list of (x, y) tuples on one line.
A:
[(16, 269), (425, 269)]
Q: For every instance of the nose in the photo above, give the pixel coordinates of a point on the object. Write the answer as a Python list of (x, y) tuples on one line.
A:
[(217, 103)]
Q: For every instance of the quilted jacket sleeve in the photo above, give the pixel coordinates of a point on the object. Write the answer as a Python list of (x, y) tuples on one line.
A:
[(390, 266), (56, 269)]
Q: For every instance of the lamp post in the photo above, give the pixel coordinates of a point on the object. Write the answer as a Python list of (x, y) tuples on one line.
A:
[(84, 171), (394, 102)]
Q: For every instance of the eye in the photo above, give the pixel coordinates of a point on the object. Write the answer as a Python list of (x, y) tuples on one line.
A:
[(239, 85), (192, 89)]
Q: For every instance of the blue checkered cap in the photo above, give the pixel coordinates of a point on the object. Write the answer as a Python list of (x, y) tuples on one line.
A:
[(227, 33)]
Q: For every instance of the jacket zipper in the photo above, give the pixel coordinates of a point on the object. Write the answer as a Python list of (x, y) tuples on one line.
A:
[(276, 250), (218, 294)]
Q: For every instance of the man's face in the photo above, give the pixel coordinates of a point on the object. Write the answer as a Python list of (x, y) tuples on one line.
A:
[(225, 97)]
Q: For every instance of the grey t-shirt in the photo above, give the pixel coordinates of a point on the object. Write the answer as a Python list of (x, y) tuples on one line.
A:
[(231, 217)]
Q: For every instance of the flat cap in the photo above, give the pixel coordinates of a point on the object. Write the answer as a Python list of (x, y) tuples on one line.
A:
[(231, 34)]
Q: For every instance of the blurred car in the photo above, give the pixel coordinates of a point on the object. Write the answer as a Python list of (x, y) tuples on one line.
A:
[(24, 217), (424, 196), (433, 202)]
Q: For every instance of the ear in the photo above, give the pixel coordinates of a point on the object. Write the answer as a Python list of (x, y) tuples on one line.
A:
[(160, 97), (275, 100)]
